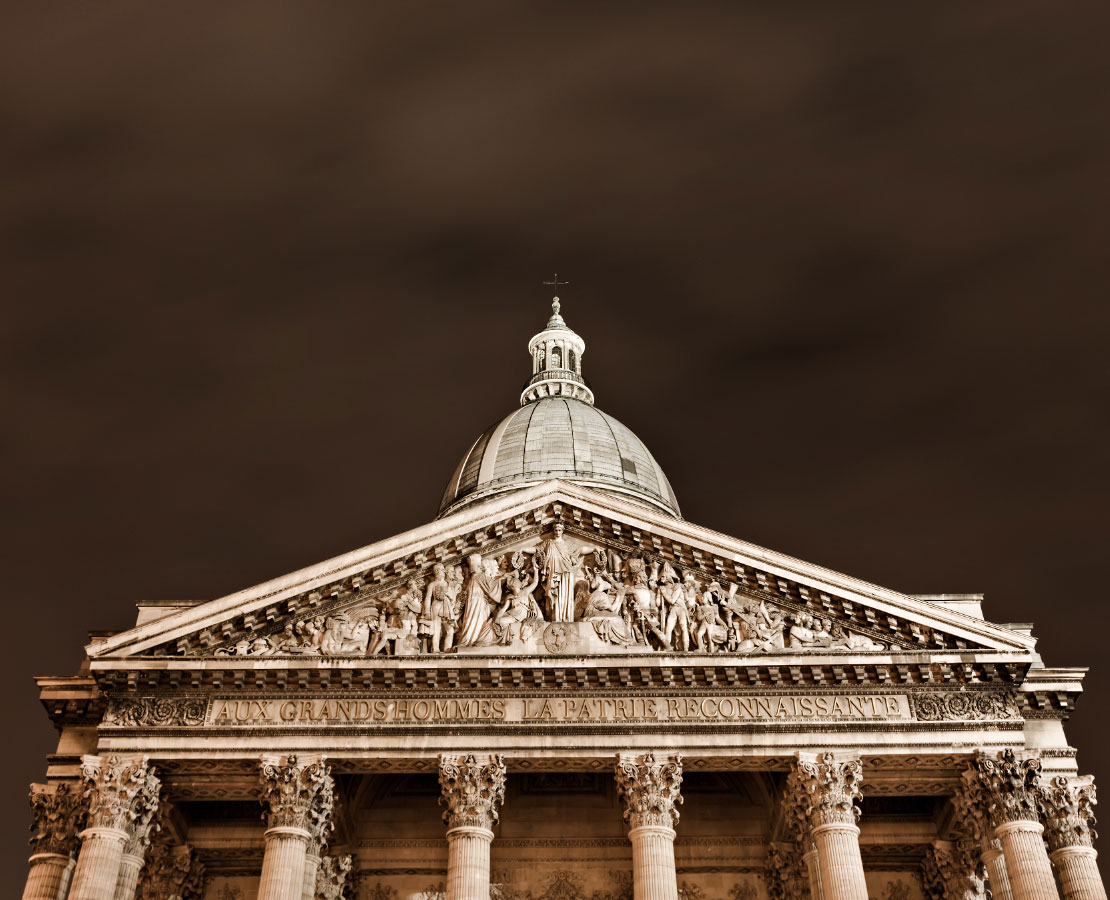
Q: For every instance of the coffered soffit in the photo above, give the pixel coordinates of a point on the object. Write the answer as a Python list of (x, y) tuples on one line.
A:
[(593, 519)]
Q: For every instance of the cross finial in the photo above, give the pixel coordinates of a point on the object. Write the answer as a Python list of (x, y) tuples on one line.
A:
[(555, 282)]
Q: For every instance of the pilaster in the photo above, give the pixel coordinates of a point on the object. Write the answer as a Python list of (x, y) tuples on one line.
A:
[(472, 788), (650, 789)]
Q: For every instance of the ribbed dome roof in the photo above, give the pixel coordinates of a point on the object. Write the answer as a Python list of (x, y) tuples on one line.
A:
[(559, 437)]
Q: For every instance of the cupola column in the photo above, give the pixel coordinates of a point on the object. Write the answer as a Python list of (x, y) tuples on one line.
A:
[(1006, 789), (822, 792), (123, 797), (1067, 808), (650, 788), (297, 796), (57, 814), (472, 788)]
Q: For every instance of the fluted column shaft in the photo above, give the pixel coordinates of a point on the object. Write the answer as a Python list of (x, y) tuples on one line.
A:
[(468, 862), (130, 864), (653, 869), (1027, 861), (995, 864), (813, 869), (98, 865), (839, 862), (49, 876), (299, 795), (1079, 875), (472, 787), (311, 867), (283, 864)]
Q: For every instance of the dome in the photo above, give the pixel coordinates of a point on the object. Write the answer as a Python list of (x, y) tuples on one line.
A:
[(558, 433), (559, 437)]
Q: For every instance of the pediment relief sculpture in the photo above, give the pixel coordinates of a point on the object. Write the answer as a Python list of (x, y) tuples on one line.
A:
[(556, 593)]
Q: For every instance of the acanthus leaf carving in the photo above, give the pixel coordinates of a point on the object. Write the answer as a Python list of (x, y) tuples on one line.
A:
[(650, 788), (824, 789), (331, 877), (121, 790), (1067, 809), (1005, 787), (58, 813), (298, 793), (171, 873), (953, 871), (472, 788), (787, 878)]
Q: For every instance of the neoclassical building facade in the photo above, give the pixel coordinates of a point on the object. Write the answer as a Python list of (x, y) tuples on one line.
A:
[(517, 700)]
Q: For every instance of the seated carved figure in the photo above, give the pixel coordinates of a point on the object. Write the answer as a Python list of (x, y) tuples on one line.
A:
[(519, 616), (801, 632)]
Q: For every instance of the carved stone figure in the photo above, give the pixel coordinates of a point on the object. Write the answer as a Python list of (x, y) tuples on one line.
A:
[(482, 597), (802, 635), (437, 618), (341, 637), (681, 600), (710, 630), (519, 616), (559, 564)]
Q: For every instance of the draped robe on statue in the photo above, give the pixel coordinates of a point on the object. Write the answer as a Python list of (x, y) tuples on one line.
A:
[(559, 563), (481, 600)]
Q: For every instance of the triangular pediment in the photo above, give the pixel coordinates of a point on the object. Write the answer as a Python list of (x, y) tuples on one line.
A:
[(370, 600)]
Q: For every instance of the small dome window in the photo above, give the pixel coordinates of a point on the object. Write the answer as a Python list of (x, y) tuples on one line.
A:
[(572, 361), (556, 357)]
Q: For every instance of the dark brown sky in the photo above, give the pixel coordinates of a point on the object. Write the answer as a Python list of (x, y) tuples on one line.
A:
[(269, 270)]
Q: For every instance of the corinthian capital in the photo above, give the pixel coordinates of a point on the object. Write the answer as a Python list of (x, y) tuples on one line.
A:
[(650, 790), (57, 814), (298, 793), (171, 873), (121, 790), (787, 877), (823, 790), (145, 807), (953, 871), (1068, 811), (1005, 788), (472, 788), (331, 877)]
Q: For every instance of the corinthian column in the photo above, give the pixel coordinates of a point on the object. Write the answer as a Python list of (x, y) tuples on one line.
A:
[(297, 798), (824, 789), (971, 810), (1067, 807), (138, 839), (953, 871), (57, 814), (1008, 789), (650, 791), (121, 790), (472, 788)]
